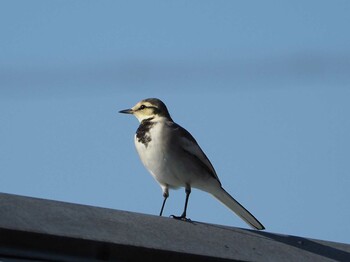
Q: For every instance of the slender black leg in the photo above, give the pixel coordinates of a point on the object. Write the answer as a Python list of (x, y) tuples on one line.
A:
[(165, 195), (183, 216), (188, 192)]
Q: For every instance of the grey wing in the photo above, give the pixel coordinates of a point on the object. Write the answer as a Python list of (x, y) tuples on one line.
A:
[(191, 147)]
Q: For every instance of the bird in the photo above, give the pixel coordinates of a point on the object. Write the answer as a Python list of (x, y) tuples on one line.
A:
[(174, 158)]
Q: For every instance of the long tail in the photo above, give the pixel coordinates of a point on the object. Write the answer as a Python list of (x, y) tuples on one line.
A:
[(236, 207)]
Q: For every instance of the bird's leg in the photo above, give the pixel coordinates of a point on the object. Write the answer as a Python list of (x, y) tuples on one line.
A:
[(188, 192), (183, 216), (165, 195)]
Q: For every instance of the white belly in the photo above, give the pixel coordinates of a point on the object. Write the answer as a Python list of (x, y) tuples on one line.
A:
[(169, 164), (161, 163)]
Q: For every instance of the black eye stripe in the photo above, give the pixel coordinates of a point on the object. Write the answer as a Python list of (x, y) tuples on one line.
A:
[(144, 106)]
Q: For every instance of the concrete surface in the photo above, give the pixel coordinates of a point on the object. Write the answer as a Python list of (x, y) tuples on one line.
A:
[(32, 228)]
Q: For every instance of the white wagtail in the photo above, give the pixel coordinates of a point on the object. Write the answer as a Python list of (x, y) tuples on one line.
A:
[(174, 159)]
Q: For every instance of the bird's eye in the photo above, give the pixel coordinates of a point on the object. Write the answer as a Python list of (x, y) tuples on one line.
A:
[(142, 107)]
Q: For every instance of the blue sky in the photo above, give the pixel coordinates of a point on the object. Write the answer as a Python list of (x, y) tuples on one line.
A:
[(263, 86)]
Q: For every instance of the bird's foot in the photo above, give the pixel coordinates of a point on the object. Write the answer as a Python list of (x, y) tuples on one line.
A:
[(182, 217)]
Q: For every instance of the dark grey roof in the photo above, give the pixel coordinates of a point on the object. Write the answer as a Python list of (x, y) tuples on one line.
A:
[(32, 228)]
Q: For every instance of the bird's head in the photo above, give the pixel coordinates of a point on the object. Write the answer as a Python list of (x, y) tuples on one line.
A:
[(149, 108)]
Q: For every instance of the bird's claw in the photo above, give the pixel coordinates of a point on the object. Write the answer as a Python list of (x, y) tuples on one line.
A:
[(182, 218)]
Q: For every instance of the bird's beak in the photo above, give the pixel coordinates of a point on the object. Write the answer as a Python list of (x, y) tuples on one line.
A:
[(126, 111)]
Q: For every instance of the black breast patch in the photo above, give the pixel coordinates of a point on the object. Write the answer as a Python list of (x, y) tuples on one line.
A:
[(142, 134)]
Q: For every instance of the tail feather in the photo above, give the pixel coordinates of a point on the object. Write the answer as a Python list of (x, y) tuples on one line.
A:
[(236, 207)]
